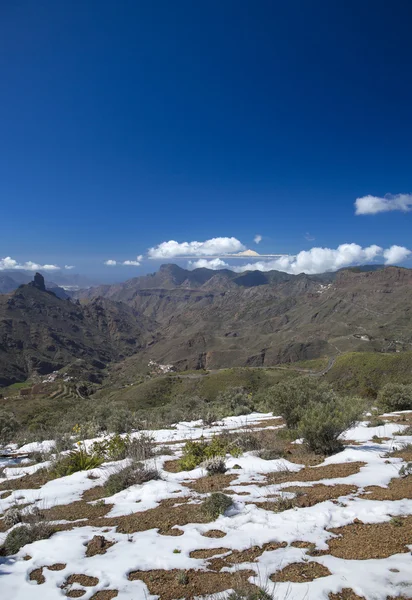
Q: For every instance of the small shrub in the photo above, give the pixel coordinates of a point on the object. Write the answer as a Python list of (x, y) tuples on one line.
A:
[(216, 504), (26, 534), (9, 426), (283, 503), (12, 517), (121, 421), (288, 435), (215, 465), (194, 453), (377, 439), (406, 470), (77, 460), (376, 422), (322, 423), (406, 431), (395, 396), (396, 521), (164, 451), (271, 453), (291, 398), (182, 578), (247, 442), (141, 447), (235, 401), (112, 448), (132, 475), (209, 418), (63, 442)]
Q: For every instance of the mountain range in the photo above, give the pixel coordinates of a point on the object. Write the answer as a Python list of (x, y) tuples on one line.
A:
[(205, 319), (10, 279)]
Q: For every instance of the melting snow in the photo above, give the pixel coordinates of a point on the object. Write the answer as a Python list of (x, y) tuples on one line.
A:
[(245, 524)]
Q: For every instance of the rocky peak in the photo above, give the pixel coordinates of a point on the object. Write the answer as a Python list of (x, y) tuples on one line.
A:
[(38, 282)]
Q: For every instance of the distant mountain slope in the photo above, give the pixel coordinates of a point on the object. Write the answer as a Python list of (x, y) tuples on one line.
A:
[(40, 332), (214, 319), (16, 277), (207, 319)]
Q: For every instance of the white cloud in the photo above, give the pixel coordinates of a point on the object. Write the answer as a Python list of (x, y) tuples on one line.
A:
[(9, 263), (126, 263), (309, 237), (317, 260), (214, 246), (395, 254), (69, 266), (131, 263), (371, 205), (214, 263), (257, 239)]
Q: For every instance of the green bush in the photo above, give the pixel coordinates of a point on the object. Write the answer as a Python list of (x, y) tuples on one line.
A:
[(131, 475), (195, 453), (216, 504), (112, 448), (375, 422), (395, 396), (63, 441), (272, 453), (77, 460), (26, 534), (246, 441), (236, 400), (322, 423), (122, 420), (9, 425), (290, 398)]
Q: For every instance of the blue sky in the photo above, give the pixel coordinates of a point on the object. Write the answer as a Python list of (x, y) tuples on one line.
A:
[(128, 124)]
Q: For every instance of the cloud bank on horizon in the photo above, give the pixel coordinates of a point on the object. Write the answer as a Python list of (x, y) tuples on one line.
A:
[(315, 260), (9, 263), (372, 205)]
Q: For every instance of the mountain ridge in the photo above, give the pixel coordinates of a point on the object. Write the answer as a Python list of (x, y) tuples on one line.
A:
[(206, 319)]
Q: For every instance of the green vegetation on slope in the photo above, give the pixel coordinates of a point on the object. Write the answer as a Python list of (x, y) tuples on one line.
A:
[(364, 373), (167, 399)]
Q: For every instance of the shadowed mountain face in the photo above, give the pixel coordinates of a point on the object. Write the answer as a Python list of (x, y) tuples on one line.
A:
[(207, 319), (40, 332)]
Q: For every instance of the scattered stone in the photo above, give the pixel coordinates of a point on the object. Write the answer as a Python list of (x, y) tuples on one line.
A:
[(98, 545)]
